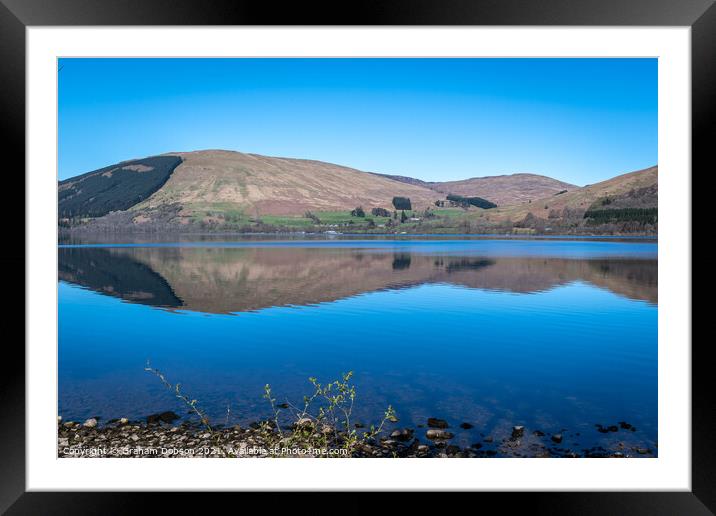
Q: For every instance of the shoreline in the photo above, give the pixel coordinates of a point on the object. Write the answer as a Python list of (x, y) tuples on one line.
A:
[(159, 438)]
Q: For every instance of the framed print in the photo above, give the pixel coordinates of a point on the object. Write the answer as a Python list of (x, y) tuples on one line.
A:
[(421, 249)]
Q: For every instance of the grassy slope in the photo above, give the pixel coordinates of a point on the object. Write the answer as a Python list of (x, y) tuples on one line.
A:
[(503, 190), (506, 189), (580, 199), (253, 186)]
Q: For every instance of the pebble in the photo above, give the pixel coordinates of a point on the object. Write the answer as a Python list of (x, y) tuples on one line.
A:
[(438, 434), (162, 417), (402, 434), (437, 423), (557, 438), (518, 431), (90, 423)]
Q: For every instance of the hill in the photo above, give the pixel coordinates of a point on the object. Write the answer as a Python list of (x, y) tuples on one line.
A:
[(234, 191), (502, 190), (637, 189), (258, 185)]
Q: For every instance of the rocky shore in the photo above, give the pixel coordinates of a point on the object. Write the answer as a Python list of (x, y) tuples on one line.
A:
[(158, 436)]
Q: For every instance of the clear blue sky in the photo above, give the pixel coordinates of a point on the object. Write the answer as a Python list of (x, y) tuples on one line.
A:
[(578, 120)]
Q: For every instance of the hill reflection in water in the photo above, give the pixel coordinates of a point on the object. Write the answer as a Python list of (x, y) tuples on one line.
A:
[(232, 279)]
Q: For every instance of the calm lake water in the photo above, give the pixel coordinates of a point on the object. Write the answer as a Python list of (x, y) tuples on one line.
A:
[(555, 335)]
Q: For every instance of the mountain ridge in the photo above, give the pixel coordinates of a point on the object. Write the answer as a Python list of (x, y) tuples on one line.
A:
[(229, 189)]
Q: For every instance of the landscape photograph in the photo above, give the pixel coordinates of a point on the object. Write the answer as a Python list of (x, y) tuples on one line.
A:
[(357, 258)]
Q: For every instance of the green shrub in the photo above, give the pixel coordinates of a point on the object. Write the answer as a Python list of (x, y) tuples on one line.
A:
[(402, 203), (471, 201)]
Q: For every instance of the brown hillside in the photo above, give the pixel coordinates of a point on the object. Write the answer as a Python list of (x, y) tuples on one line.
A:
[(260, 185), (635, 189), (505, 190)]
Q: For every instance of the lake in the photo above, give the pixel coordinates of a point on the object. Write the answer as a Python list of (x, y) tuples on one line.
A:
[(557, 335)]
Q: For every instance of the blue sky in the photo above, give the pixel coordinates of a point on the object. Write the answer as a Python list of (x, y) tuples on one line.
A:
[(578, 120)]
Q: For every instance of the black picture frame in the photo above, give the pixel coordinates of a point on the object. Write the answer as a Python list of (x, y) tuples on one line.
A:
[(16, 15)]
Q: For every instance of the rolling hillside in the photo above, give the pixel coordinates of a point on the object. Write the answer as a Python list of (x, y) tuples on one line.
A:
[(503, 190), (506, 189), (260, 185), (234, 191), (637, 189)]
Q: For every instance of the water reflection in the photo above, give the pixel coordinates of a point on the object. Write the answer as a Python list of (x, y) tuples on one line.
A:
[(238, 279)]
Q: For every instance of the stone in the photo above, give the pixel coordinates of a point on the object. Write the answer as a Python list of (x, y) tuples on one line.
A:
[(162, 417), (434, 422), (477, 446), (518, 431), (613, 428), (466, 426), (402, 434), (557, 438), (304, 422), (123, 421), (452, 450), (538, 433), (488, 439), (433, 434), (90, 423)]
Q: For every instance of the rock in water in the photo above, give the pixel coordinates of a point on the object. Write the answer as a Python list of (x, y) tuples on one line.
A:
[(465, 426), (402, 434), (434, 422), (162, 417), (557, 438), (90, 423), (438, 434), (518, 431)]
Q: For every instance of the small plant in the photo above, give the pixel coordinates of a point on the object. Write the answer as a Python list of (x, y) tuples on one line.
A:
[(324, 419), (322, 422), (192, 404)]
